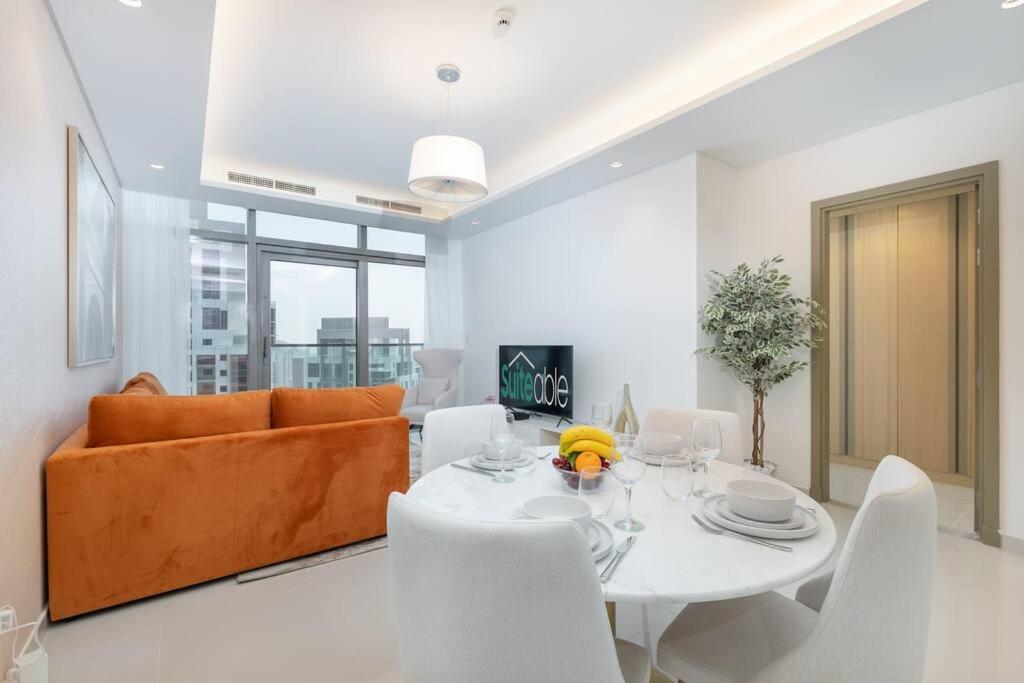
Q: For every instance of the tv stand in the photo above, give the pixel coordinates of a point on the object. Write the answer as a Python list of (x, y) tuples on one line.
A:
[(547, 427)]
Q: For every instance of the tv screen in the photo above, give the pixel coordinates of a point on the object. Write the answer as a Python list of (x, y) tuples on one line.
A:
[(536, 379)]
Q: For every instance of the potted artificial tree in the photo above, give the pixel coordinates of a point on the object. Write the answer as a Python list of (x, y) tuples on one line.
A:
[(758, 324)]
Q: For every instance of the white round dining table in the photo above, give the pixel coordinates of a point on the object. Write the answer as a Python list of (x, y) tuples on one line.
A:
[(672, 560)]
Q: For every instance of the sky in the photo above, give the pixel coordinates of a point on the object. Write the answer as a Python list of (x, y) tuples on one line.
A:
[(305, 293)]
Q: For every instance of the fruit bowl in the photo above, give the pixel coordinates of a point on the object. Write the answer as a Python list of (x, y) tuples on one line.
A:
[(581, 447), (570, 477)]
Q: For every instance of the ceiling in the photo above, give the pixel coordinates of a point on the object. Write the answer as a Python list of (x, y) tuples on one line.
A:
[(335, 94)]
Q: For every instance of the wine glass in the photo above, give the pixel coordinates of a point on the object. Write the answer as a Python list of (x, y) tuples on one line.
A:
[(677, 476), (628, 466), (596, 487), (706, 444), (601, 415), (503, 435)]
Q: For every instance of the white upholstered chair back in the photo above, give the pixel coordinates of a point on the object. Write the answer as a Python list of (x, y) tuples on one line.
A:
[(439, 363), (873, 624), (496, 601), (447, 432), (680, 421)]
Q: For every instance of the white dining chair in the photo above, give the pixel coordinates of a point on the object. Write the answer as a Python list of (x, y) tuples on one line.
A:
[(866, 621), (680, 421), (447, 433), (500, 601)]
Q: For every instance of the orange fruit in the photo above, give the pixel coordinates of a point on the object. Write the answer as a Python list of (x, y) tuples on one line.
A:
[(587, 459)]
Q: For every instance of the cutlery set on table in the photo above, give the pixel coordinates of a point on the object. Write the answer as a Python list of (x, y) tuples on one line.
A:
[(755, 510)]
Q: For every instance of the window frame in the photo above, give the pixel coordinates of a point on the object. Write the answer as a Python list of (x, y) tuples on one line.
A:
[(256, 246)]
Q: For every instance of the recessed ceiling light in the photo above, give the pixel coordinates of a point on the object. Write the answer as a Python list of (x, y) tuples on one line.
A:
[(618, 164), (1010, 4), (157, 167), (132, 3), (476, 222)]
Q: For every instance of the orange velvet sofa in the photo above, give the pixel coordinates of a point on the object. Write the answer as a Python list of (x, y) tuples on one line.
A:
[(159, 492)]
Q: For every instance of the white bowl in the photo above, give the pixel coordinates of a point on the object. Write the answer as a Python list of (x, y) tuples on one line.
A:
[(659, 445), (762, 501), (559, 508), (491, 452)]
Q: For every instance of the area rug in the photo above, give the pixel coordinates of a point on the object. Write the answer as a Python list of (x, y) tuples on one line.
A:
[(334, 553), (313, 560)]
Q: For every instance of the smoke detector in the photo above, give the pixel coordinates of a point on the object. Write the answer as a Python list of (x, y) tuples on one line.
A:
[(503, 19)]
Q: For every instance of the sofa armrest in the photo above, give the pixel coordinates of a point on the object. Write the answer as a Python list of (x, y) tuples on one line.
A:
[(411, 394), (813, 592), (447, 398), (125, 522)]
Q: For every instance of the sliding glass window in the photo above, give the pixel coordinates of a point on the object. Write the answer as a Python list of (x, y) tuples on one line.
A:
[(219, 321), (286, 300), (396, 321)]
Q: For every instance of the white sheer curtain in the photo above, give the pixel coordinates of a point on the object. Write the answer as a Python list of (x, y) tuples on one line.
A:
[(443, 293), (157, 287)]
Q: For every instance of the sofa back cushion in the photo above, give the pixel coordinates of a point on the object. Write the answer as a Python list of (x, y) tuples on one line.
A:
[(299, 407), (118, 419)]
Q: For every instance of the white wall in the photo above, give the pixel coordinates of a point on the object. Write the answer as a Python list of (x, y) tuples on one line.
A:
[(717, 249), (620, 272), (41, 400), (612, 272), (773, 204)]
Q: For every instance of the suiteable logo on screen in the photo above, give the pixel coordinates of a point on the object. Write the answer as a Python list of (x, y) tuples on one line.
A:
[(521, 381)]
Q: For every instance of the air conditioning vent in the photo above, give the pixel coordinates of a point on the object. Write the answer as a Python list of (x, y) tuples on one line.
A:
[(247, 179), (294, 187), (389, 205), (271, 183)]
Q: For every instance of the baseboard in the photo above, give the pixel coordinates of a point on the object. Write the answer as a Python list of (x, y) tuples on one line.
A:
[(1013, 544)]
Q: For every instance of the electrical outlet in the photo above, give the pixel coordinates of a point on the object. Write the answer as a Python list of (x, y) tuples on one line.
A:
[(7, 621)]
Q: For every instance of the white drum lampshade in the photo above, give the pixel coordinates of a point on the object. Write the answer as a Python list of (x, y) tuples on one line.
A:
[(447, 168)]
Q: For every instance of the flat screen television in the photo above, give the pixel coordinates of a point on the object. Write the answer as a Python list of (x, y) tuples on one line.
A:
[(536, 379)]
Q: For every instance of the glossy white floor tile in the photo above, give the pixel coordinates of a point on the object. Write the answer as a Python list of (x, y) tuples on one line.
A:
[(955, 503), (334, 623)]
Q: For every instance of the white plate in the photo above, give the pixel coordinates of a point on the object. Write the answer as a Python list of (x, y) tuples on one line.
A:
[(594, 536), (483, 463), (710, 513), (722, 508), (604, 545)]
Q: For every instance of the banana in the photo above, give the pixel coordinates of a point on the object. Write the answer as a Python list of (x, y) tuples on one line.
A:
[(604, 450), (574, 434)]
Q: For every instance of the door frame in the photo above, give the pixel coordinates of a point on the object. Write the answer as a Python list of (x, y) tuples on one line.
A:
[(266, 254), (986, 178)]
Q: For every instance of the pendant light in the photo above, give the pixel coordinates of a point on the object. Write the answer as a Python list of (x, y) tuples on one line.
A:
[(448, 168)]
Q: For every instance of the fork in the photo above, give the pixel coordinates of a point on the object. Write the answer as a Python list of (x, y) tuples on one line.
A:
[(725, 532)]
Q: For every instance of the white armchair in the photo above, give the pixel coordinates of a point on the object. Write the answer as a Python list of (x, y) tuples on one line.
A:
[(438, 385)]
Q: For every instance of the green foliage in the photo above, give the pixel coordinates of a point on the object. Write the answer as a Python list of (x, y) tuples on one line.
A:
[(758, 324)]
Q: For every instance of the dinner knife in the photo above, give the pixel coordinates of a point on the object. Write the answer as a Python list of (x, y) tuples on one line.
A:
[(472, 469), (606, 575)]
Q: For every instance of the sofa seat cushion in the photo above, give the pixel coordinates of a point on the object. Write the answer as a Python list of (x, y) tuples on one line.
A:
[(144, 383), (119, 419), (301, 407)]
